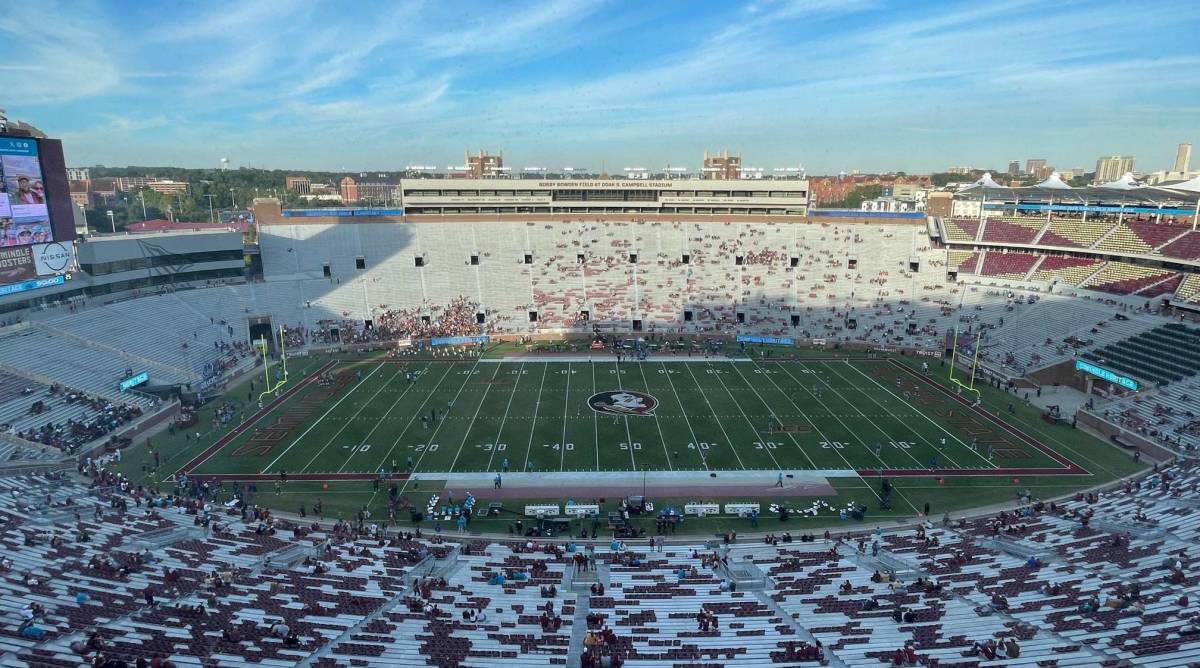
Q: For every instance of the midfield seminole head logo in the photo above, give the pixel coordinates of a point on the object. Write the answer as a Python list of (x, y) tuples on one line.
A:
[(623, 402)]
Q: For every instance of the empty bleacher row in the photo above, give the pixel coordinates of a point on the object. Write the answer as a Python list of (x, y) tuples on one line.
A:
[(1098, 580), (1166, 354), (1139, 237)]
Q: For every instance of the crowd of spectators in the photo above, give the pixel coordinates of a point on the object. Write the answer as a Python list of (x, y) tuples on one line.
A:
[(103, 418), (455, 319)]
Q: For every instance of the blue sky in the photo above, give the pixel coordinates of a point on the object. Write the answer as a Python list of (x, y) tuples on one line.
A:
[(834, 85)]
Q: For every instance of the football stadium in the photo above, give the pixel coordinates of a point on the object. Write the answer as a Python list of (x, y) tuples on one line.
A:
[(594, 334), (604, 421)]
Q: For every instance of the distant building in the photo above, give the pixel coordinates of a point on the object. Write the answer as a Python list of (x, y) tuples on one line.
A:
[(1014, 167), (81, 191), (128, 183), (1032, 165), (348, 188), (370, 188), (300, 185), (722, 166), (940, 203), (104, 188), (78, 173), (168, 187), (484, 166), (1183, 158), (1113, 168)]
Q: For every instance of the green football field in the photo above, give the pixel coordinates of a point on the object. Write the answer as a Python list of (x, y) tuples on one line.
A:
[(841, 419), (445, 417)]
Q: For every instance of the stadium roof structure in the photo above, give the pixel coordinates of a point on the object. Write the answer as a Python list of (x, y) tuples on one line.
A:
[(1125, 190)]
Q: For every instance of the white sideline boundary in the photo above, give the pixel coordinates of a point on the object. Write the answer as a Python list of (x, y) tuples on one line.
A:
[(609, 359)]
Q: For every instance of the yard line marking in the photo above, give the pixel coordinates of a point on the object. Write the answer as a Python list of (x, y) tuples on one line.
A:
[(775, 417), (809, 392), (646, 384), (473, 418), (367, 438), (438, 428), (533, 423), (860, 412), (595, 419), (822, 434), (628, 434), (922, 414), (496, 441), (349, 421), (695, 441), (566, 404), (419, 412), (715, 418), (739, 405), (321, 419)]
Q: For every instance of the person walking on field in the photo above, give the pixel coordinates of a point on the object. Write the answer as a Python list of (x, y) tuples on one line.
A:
[(779, 482)]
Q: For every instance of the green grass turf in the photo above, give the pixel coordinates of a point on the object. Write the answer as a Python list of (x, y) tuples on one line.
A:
[(711, 415)]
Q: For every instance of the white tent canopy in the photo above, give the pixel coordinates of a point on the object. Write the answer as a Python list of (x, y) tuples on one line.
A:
[(1126, 182), (1192, 185), (1054, 182), (986, 181)]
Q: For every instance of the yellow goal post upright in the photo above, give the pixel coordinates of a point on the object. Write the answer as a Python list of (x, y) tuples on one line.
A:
[(271, 386), (970, 386)]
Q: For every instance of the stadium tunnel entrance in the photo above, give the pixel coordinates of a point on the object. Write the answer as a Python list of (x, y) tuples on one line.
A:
[(261, 330)]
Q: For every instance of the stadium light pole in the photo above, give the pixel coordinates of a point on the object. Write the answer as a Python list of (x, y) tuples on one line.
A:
[(142, 196), (233, 197), (112, 220), (210, 208)]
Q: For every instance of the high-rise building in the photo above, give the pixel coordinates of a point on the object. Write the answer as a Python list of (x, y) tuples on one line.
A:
[(484, 166), (1032, 165), (1113, 167), (1014, 167), (1183, 158), (722, 166)]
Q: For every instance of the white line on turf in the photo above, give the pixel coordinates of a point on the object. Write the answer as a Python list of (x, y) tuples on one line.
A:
[(321, 419), (350, 420), (595, 419), (380, 422), (918, 411), (774, 417), (500, 431), (467, 433), (841, 396), (715, 417), (533, 423), (646, 384), (628, 434), (416, 414), (566, 404), (753, 431), (424, 452), (851, 432), (808, 419), (695, 441)]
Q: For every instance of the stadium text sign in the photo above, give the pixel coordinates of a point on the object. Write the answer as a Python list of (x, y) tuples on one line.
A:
[(769, 340), (1105, 374), (32, 285), (134, 381), (459, 340)]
